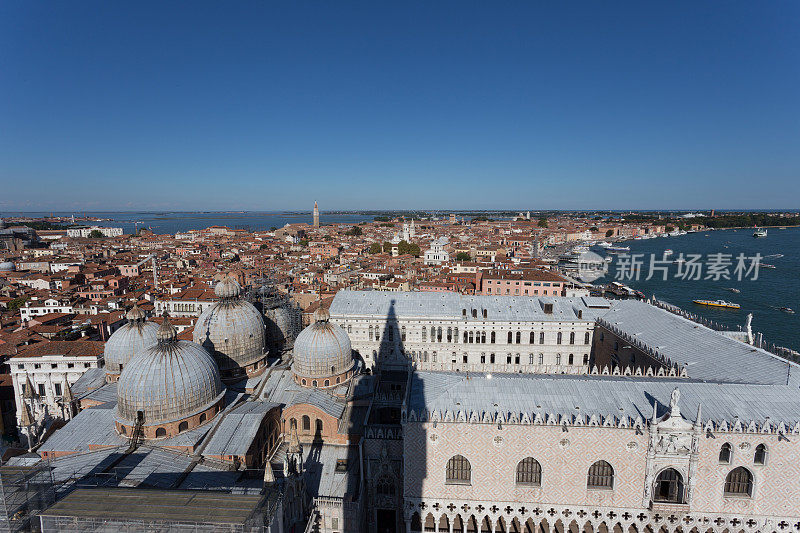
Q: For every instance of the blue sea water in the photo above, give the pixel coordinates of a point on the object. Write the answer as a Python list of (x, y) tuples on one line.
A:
[(764, 296), (174, 222)]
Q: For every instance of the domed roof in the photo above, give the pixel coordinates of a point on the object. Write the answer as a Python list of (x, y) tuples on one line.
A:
[(7, 266), (232, 330), (322, 349), (130, 340), (171, 381)]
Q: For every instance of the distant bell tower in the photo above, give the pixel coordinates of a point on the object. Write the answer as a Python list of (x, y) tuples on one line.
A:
[(316, 215)]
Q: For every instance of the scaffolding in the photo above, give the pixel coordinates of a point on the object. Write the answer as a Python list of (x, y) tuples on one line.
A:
[(24, 492)]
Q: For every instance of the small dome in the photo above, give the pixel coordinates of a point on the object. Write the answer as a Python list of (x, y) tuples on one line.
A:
[(322, 350), (135, 314), (171, 381), (7, 266), (227, 288), (232, 330), (132, 339), (321, 315)]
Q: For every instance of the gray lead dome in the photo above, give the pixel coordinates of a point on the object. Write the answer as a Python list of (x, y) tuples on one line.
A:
[(171, 381), (130, 340), (322, 349), (232, 330)]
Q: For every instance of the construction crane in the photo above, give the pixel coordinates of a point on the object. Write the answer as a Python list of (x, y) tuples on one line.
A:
[(151, 257)]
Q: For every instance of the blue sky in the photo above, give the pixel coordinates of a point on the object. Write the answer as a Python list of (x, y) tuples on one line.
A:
[(484, 105)]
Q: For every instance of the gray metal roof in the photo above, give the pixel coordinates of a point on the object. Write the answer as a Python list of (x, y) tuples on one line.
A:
[(570, 396), (707, 354), (93, 426), (282, 389), (322, 477), (450, 305), (238, 428)]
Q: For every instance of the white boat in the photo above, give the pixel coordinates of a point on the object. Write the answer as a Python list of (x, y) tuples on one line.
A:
[(787, 310), (618, 248), (604, 244), (668, 251), (760, 232)]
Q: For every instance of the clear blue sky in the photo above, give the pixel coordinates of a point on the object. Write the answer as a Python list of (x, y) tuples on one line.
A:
[(269, 106)]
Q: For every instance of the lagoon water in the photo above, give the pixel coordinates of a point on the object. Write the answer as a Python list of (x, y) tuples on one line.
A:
[(774, 288)]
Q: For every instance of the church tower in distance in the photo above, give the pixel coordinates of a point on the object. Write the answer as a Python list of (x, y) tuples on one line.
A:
[(316, 215)]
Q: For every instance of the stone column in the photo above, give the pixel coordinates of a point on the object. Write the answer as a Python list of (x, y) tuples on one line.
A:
[(408, 524)]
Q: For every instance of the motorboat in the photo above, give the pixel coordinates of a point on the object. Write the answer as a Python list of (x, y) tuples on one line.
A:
[(717, 303), (733, 290), (787, 310), (760, 232)]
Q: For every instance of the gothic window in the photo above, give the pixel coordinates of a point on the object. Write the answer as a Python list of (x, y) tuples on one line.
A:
[(466, 337), (586, 359), (439, 335), (483, 358), (484, 313), (760, 457), (541, 337), (739, 482), (530, 359), (519, 337), (202, 418), (318, 427), (403, 334), (601, 476), (558, 338), (725, 453), (529, 472), (558, 358), (306, 423), (349, 328), (455, 335), (492, 338), (669, 486), (532, 339), (433, 334), (459, 470), (424, 334), (183, 426), (571, 359), (510, 337), (384, 487), (586, 338), (541, 358), (463, 312), (371, 334), (474, 313), (491, 358), (449, 334), (572, 337)]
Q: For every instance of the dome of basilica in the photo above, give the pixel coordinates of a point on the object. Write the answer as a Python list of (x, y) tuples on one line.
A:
[(175, 384), (233, 331), (132, 339), (322, 353)]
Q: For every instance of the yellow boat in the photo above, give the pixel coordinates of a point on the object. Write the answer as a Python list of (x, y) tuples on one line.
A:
[(717, 303)]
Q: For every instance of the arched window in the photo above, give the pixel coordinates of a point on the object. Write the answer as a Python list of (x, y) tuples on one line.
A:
[(558, 358), (161, 432), (458, 470), (541, 337), (669, 486), (306, 423), (474, 313), (455, 335), (739, 482), (572, 337), (510, 337), (424, 334), (529, 472), (466, 337), (384, 487), (760, 457), (483, 337), (571, 359), (123, 430), (433, 334), (586, 338), (532, 339), (371, 334), (403, 333), (463, 312), (293, 423), (541, 358), (558, 338), (519, 337), (725, 453), (449, 334), (314, 383), (439, 335), (492, 338), (484, 313), (471, 337), (318, 427), (183, 426), (202, 417), (601, 476), (327, 383)]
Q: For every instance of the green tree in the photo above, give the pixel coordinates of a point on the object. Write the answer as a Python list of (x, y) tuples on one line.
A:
[(375, 248), (96, 234), (16, 303), (669, 229), (462, 256), (355, 231), (404, 247), (609, 233), (542, 223), (303, 242)]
